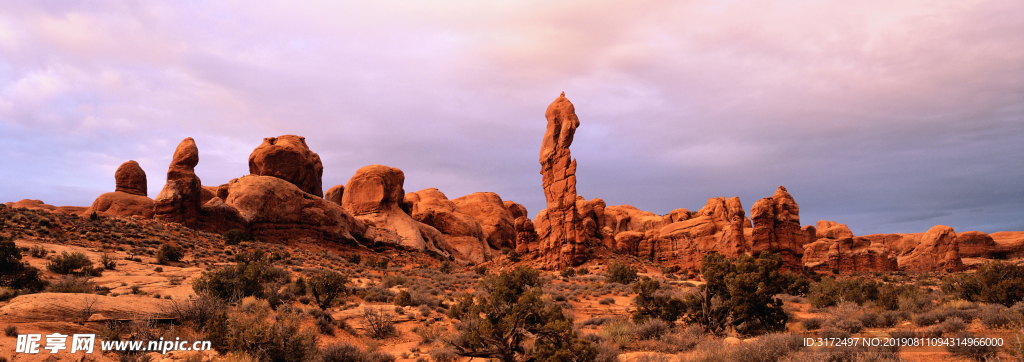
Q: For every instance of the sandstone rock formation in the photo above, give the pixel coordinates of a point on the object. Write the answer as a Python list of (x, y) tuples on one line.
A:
[(288, 158), (832, 230), (526, 235), (515, 209), (130, 178), (274, 209), (129, 196), (836, 249), (557, 225), (718, 227), (40, 205), (937, 251), (374, 196), (180, 199), (495, 220), (777, 229), (335, 193), (976, 244), (462, 233)]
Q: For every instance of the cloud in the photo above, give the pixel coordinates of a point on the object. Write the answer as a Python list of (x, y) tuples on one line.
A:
[(865, 111)]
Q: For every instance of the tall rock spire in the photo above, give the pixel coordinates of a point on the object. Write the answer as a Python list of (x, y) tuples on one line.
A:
[(559, 223)]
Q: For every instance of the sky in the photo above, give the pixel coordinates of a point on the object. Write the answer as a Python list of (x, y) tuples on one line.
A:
[(886, 116)]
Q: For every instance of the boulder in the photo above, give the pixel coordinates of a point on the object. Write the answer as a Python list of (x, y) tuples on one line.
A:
[(119, 203), (277, 210), (289, 158), (777, 229), (516, 209), (374, 195), (557, 227), (131, 179), (976, 244), (832, 230), (937, 251), (180, 199), (462, 233), (495, 220), (335, 193)]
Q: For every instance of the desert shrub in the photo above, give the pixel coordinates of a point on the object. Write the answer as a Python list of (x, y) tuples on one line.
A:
[(233, 237), (994, 316), (745, 288), (929, 318), (582, 271), (169, 253), (250, 276), (354, 258), (107, 262), (480, 269), (197, 310), (606, 301), (326, 287), (596, 321), (14, 273), (849, 325), (403, 298), (379, 322), (652, 328), (607, 351), (650, 304), (443, 355), (711, 350), (277, 338), (446, 267), (889, 318), (993, 282), (620, 273), (952, 325), (378, 293), (11, 331), (71, 284), (619, 331), (7, 293), (568, 272), (811, 324), (324, 322), (38, 251), (829, 291), (977, 351), (393, 280), (914, 301), (769, 347), (69, 263), (513, 256)]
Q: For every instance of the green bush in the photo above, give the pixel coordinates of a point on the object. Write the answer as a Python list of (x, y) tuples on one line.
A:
[(69, 263), (829, 291), (326, 287), (403, 298), (568, 272), (511, 307), (620, 273), (14, 273), (233, 237), (993, 282), (745, 288), (250, 276), (108, 262), (513, 256), (279, 338), (169, 253), (649, 304)]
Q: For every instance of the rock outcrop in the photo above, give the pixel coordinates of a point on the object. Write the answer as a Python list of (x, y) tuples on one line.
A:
[(40, 205), (718, 227), (374, 195), (836, 249), (777, 229), (277, 210), (131, 179), (495, 220), (129, 196), (976, 244), (558, 224), (289, 158), (462, 233), (938, 251), (180, 199), (335, 194)]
